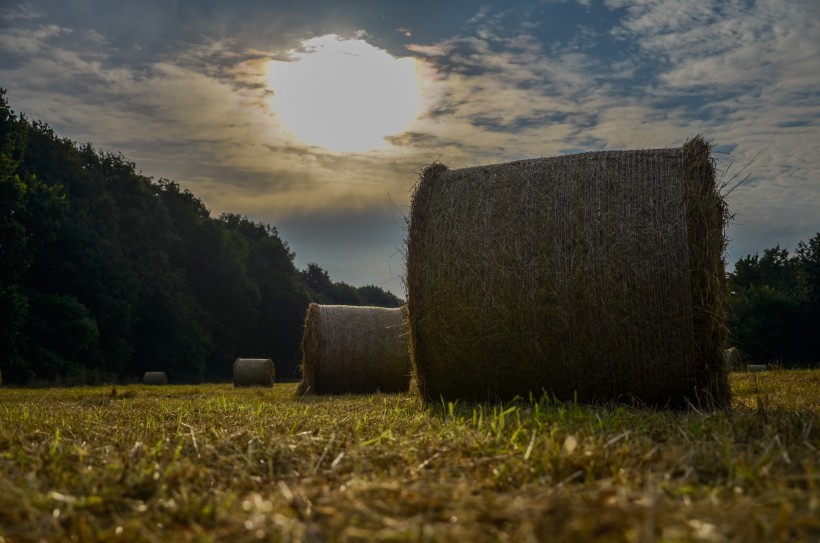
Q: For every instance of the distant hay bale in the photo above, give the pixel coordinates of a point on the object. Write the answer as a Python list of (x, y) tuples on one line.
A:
[(733, 361), (155, 378), (350, 349), (249, 372), (597, 276)]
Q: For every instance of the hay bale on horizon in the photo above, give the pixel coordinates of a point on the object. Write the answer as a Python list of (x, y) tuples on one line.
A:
[(596, 276), (353, 349), (155, 378), (249, 372), (733, 361)]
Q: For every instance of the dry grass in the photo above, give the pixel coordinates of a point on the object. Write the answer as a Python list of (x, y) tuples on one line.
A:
[(213, 463), (596, 276), (352, 349)]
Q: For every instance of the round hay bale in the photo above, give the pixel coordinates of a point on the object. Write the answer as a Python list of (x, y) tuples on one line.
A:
[(733, 361), (351, 349), (249, 372), (596, 276), (155, 378)]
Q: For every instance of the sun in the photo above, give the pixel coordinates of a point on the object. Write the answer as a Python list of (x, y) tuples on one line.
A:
[(345, 94)]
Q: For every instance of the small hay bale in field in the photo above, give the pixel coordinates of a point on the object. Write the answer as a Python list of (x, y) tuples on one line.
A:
[(249, 372), (351, 349), (733, 361), (597, 276), (155, 378)]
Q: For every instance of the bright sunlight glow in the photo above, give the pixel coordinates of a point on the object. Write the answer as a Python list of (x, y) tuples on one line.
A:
[(344, 94)]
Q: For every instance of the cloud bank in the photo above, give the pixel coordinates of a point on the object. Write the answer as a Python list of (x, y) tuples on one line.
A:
[(184, 93)]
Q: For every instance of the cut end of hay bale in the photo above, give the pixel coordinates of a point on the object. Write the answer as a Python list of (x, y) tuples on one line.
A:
[(354, 349), (248, 372), (596, 276), (707, 216), (155, 378)]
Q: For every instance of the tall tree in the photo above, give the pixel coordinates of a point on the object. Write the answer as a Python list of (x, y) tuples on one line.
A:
[(14, 259), (808, 255), (283, 297)]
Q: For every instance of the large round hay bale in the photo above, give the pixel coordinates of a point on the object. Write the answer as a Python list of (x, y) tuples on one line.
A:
[(733, 361), (595, 276), (155, 378), (249, 372), (354, 349)]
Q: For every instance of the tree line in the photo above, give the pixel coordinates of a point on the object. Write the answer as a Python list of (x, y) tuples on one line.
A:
[(774, 306), (106, 274)]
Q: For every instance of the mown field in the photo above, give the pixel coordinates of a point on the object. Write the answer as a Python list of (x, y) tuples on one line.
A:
[(214, 463)]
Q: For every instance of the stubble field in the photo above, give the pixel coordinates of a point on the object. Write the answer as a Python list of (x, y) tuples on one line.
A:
[(214, 463)]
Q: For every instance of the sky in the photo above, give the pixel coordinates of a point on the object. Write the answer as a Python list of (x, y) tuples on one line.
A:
[(317, 117)]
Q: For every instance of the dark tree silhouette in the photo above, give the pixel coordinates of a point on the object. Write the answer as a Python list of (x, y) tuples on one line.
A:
[(106, 274)]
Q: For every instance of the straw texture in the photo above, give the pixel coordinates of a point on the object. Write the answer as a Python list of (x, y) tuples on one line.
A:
[(350, 349), (596, 276)]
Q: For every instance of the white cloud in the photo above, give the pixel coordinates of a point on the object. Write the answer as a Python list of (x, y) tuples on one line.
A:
[(18, 41), (20, 12)]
